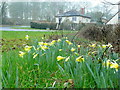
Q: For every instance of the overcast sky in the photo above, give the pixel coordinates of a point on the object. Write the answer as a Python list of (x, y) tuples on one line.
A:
[(93, 2)]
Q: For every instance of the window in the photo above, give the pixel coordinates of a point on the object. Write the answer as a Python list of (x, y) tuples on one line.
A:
[(73, 18)]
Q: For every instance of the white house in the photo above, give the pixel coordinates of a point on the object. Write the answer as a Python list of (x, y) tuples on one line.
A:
[(116, 18), (73, 16)]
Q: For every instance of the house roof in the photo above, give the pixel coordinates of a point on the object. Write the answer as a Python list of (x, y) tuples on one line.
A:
[(72, 13)]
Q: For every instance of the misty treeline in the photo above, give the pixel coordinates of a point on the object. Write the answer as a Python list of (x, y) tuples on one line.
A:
[(24, 12)]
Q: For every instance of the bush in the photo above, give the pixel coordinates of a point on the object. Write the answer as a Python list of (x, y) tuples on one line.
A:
[(92, 32), (43, 25), (68, 25)]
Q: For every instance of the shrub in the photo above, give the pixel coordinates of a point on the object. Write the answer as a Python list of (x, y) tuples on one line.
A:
[(43, 25), (116, 38), (92, 32)]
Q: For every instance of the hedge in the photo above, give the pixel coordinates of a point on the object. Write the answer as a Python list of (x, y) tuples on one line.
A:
[(43, 25)]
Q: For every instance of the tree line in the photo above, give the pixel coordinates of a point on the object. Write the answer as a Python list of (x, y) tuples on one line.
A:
[(25, 12)]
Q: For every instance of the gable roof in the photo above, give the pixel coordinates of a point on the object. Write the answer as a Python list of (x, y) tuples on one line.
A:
[(72, 13)]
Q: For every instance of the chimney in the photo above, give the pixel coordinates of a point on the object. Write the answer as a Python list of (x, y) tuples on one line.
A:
[(82, 11)]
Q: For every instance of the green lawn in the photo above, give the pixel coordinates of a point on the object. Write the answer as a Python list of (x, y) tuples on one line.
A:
[(59, 63), (25, 28)]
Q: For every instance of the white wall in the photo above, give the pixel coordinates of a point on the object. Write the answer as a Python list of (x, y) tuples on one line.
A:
[(78, 19)]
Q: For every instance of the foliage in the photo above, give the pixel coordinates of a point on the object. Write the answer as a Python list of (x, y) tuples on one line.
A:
[(61, 63), (43, 25)]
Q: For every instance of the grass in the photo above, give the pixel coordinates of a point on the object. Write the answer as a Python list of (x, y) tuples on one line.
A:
[(26, 28), (16, 39), (47, 71)]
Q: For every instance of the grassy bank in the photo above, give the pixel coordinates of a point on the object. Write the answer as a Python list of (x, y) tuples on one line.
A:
[(57, 63)]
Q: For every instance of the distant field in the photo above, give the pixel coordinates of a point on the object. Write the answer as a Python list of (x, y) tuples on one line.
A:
[(15, 39), (25, 28)]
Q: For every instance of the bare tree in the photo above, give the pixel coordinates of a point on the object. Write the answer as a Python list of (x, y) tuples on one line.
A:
[(109, 3), (3, 13)]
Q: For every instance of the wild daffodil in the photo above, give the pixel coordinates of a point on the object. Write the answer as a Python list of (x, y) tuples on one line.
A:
[(60, 49), (40, 43), (80, 59), (35, 55), (109, 45), (53, 42), (104, 46), (26, 37), (21, 54), (93, 45), (44, 47), (78, 46), (46, 44), (114, 65), (65, 37), (68, 42), (107, 63), (59, 40), (67, 59), (72, 49), (60, 58), (27, 48), (76, 53)]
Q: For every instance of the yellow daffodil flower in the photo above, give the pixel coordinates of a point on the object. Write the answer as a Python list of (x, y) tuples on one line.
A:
[(109, 45), (53, 42), (68, 42), (58, 40), (114, 65), (40, 43), (27, 48), (65, 37), (93, 45), (42, 38), (107, 63), (72, 49), (60, 58), (35, 55), (60, 49), (21, 54), (76, 53), (67, 59), (78, 46), (103, 46), (44, 47), (80, 59), (26, 37), (46, 44)]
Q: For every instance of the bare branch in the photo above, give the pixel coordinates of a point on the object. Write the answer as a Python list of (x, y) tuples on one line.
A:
[(109, 3)]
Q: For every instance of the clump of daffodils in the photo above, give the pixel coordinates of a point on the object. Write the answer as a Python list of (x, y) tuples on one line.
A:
[(111, 64)]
